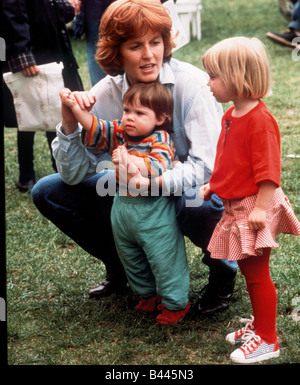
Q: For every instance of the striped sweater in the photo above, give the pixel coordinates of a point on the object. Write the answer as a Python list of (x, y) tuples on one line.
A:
[(157, 149)]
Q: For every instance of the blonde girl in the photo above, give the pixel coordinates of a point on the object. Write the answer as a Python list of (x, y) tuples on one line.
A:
[(246, 176)]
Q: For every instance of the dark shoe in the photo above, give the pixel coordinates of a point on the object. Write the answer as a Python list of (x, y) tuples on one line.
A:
[(210, 301), (26, 186), (285, 38), (107, 288)]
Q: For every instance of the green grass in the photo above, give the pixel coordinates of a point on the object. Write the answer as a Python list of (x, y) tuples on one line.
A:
[(51, 320)]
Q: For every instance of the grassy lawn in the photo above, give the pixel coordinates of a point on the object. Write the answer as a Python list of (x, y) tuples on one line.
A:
[(51, 320)]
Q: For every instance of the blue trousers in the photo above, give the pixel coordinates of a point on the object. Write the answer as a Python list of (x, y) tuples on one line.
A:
[(84, 216), (151, 248), (295, 22), (92, 37)]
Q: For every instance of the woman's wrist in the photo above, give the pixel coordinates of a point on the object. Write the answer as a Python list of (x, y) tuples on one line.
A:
[(68, 128)]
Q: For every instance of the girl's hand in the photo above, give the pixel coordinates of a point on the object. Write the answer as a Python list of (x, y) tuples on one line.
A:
[(85, 99), (205, 193), (257, 219)]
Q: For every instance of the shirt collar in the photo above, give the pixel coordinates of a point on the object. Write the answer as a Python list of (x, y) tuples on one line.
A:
[(166, 75)]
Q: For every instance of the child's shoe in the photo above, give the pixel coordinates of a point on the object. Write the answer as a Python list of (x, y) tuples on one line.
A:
[(171, 316), (148, 305), (242, 334), (255, 349)]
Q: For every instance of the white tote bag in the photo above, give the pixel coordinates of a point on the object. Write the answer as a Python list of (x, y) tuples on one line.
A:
[(36, 99)]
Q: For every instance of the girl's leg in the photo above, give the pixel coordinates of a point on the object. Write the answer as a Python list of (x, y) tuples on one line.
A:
[(262, 294)]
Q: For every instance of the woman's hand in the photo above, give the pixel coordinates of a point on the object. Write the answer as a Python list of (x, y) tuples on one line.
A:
[(130, 178), (124, 166), (67, 98), (115, 157), (69, 122)]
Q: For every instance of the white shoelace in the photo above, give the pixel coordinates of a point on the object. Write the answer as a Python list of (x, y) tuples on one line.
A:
[(247, 332), (251, 341)]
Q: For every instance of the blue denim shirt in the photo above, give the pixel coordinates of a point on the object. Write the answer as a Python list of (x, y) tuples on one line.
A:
[(196, 125)]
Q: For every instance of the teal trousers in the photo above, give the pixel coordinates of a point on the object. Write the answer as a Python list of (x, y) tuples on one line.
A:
[(151, 248)]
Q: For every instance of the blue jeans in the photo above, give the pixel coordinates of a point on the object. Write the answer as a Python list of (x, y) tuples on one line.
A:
[(295, 23), (80, 213), (197, 220), (84, 216), (92, 35)]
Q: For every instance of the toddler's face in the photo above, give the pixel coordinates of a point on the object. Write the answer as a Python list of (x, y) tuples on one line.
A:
[(139, 120)]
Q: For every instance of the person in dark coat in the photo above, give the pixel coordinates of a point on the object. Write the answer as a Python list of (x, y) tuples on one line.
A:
[(35, 33)]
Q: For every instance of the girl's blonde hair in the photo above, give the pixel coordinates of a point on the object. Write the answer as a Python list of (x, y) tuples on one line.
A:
[(242, 64), (125, 19)]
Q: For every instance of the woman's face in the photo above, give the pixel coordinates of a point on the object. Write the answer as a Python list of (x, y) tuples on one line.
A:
[(142, 57)]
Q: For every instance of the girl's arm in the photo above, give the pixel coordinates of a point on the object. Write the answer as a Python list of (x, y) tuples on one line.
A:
[(257, 218), (205, 192)]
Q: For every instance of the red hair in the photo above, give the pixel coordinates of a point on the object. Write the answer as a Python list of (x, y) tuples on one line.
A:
[(126, 19)]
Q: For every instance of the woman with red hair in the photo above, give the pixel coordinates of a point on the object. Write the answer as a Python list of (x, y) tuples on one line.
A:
[(135, 45)]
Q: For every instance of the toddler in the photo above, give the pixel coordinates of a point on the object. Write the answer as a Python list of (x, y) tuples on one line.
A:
[(147, 236)]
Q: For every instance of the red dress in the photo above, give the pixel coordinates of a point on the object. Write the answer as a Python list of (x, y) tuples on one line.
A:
[(248, 152)]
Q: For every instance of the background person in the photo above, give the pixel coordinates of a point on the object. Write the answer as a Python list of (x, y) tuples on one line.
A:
[(87, 22), (287, 38), (35, 33)]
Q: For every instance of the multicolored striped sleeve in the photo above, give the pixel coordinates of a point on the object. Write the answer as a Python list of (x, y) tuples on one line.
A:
[(162, 154), (104, 135)]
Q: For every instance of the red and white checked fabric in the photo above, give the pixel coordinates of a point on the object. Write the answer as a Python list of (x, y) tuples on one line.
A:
[(232, 238)]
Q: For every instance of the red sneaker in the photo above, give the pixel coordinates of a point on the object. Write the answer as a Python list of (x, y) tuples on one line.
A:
[(241, 335), (148, 305), (171, 316), (255, 349)]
